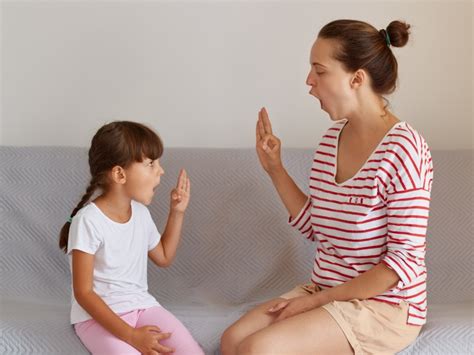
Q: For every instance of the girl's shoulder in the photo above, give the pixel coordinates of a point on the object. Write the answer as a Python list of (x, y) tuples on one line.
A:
[(89, 212), (140, 208)]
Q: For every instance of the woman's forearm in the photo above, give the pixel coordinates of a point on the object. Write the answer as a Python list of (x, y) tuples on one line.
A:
[(292, 197), (371, 283)]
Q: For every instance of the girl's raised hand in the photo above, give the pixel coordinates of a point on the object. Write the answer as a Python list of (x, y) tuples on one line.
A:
[(268, 145), (181, 193)]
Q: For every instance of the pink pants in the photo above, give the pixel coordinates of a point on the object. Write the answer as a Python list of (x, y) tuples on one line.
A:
[(99, 341)]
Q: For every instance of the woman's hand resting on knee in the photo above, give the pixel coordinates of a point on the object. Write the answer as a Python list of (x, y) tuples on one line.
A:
[(295, 306)]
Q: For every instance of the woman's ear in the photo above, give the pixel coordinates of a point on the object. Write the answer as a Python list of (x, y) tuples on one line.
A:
[(358, 78), (118, 175)]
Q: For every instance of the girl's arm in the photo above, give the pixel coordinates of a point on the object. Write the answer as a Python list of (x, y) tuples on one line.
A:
[(164, 253), (144, 339), (82, 271)]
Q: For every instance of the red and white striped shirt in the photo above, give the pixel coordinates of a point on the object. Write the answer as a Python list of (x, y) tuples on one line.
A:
[(378, 215)]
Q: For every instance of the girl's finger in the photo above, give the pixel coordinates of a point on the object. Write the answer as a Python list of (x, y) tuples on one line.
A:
[(175, 195), (179, 185), (266, 121), (185, 179)]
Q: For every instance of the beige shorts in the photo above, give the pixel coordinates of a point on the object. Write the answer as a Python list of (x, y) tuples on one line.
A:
[(370, 326)]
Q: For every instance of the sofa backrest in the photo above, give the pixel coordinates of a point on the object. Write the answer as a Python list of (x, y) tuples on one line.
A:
[(236, 245)]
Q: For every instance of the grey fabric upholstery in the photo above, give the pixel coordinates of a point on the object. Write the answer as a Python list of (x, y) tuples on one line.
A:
[(237, 249)]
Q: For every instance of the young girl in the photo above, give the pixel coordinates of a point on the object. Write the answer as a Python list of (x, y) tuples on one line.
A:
[(367, 211), (109, 239)]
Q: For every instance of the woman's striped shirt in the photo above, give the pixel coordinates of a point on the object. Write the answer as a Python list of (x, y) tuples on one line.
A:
[(378, 215)]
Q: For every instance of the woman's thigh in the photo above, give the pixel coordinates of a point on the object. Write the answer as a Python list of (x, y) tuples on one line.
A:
[(181, 339), (312, 332), (251, 322)]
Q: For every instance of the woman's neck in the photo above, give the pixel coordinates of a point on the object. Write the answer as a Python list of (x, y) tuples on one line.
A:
[(370, 117)]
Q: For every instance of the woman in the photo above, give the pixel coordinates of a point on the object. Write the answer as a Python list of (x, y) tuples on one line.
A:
[(367, 210)]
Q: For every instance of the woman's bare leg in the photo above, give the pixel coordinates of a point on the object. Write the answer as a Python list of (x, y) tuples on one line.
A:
[(251, 322), (312, 332)]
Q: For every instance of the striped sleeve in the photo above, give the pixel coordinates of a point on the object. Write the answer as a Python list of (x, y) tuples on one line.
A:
[(302, 221), (408, 203)]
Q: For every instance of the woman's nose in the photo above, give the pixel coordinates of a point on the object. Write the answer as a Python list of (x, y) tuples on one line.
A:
[(310, 79)]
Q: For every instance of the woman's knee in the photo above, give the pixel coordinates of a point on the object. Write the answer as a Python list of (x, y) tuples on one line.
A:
[(230, 339), (254, 344)]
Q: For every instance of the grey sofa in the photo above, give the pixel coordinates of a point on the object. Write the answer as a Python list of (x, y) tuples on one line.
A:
[(236, 251)]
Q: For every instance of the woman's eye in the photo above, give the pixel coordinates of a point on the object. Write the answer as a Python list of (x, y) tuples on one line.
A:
[(320, 73)]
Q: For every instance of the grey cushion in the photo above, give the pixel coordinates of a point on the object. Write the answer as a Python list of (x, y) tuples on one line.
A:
[(236, 251)]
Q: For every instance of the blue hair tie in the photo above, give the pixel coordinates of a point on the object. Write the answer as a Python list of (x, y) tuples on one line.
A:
[(69, 220)]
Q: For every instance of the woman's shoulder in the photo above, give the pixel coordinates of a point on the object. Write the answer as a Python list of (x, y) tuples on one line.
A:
[(407, 157), (407, 140)]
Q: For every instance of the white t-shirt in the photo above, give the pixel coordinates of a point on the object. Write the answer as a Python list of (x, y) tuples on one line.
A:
[(121, 255)]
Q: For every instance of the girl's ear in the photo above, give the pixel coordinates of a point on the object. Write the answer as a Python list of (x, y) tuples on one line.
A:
[(118, 175), (358, 78)]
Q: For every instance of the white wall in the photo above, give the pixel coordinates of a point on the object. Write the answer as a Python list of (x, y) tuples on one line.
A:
[(199, 71)]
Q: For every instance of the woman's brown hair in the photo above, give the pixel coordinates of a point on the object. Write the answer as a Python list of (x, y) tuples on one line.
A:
[(118, 143), (362, 46)]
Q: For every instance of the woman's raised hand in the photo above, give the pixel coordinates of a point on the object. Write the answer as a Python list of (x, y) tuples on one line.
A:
[(268, 145)]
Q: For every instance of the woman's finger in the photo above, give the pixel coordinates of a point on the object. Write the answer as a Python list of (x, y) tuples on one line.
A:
[(266, 121), (278, 307), (188, 185), (261, 128), (270, 144), (258, 136)]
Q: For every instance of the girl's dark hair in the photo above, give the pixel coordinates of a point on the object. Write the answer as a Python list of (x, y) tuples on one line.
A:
[(118, 143), (362, 46)]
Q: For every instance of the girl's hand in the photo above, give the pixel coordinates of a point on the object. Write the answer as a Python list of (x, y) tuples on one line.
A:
[(181, 193), (147, 340), (295, 306), (268, 145)]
